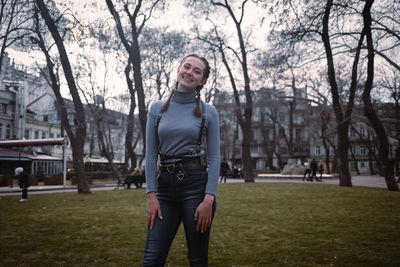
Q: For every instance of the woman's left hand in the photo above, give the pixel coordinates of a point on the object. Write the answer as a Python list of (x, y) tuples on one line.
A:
[(203, 214)]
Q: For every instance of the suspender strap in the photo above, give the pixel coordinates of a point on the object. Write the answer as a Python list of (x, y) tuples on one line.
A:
[(198, 145)]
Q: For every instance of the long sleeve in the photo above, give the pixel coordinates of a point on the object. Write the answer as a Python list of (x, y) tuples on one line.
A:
[(213, 147), (151, 149)]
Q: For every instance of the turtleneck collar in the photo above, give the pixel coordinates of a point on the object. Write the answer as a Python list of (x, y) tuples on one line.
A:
[(184, 96)]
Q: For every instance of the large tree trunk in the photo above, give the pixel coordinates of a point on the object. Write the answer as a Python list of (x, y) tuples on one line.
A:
[(343, 156), (353, 157), (369, 110), (137, 77), (342, 118), (129, 151), (77, 137)]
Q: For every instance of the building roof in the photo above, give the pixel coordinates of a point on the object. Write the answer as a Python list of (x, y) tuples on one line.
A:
[(9, 154)]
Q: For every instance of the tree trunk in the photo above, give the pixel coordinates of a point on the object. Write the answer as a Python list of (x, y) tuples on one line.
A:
[(342, 118), (104, 149), (129, 151), (369, 109), (343, 157), (355, 161), (77, 138)]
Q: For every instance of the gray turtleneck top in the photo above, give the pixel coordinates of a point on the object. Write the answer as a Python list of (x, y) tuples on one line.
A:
[(178, 132)]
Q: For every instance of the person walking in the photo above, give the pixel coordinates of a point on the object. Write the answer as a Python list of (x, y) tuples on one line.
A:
[(23, 182), (307, 170), (313, 167), (224, 170), (185, 187)]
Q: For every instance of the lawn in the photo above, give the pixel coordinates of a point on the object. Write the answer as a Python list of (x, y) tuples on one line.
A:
[(261, 224)]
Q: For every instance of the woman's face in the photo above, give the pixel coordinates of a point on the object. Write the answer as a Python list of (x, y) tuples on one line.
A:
[(191, 73)]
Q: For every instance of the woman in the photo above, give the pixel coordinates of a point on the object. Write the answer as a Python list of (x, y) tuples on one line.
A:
[(183, 191)]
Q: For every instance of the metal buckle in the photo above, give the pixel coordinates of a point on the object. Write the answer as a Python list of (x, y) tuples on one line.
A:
[(180, 175), (173, 168)]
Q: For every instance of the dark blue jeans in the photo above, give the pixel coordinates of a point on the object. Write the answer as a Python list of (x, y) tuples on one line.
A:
[(179, 200)]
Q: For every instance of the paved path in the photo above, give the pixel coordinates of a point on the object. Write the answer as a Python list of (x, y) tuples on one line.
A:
[(369, 181)]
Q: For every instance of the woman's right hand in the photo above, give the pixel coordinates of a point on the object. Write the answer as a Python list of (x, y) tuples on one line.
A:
[(153, 209)]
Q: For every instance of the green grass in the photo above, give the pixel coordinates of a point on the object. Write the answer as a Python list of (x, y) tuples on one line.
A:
[(261, 224)]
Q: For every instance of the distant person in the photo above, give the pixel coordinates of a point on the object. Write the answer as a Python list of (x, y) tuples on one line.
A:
[(23, 181), (313, 167), (224, 170), (307, 170), (137, 172), (320, 170)]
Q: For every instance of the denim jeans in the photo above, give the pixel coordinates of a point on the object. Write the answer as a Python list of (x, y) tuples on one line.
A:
[(178, 200)]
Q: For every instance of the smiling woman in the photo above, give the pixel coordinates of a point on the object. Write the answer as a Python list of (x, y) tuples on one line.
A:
[(183, 190)]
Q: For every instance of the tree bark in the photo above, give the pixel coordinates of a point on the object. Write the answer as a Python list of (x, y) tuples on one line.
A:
[(342, 118), (369, 110), (78, 138)]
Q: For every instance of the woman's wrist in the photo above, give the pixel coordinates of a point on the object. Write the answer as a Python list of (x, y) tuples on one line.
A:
[(151, 194), (209, 198)]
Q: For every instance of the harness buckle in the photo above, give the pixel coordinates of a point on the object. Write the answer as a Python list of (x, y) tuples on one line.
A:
[(173, 168)]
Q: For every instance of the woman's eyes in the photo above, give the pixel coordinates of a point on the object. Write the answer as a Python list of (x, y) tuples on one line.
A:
[(195, 70)]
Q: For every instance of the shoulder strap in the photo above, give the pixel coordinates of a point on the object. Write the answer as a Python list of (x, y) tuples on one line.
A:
[(203, 120)]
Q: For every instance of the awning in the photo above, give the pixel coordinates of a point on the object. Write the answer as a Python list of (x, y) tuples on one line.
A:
[(15, 159), (33, 142)]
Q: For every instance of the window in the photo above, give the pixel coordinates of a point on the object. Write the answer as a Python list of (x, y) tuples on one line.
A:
[(51, 135), (45, 117), (317, 150), (36, 134), (8, 132), (4, 108), (362, 131), (363, 150), (43, 135), (281, 116), (26, 134), (254, 149), (1, 131), (352, 133), (281, 132), (298, 134)]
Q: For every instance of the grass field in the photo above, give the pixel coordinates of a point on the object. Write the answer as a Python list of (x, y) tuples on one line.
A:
[(261, 224)]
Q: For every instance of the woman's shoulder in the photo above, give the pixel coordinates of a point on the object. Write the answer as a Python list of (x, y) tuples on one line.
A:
[(210, 109), (155, 107)]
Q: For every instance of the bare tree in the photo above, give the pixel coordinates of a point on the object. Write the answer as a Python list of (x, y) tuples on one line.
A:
[(161, 51), (77, 135), (14, 17), (142, 12), (239, 55), (369, 110)]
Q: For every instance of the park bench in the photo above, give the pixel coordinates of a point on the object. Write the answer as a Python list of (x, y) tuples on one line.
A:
[(137, 180)]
